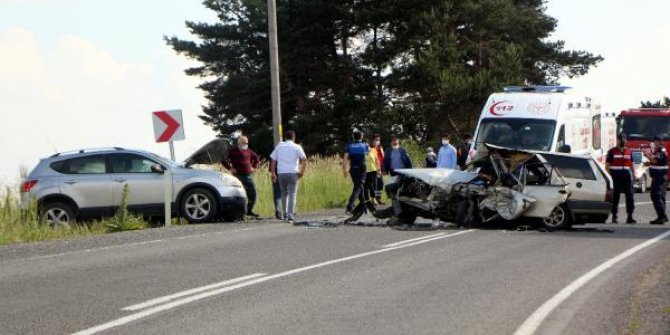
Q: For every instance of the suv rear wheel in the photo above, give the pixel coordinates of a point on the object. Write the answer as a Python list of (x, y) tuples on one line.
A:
[(199, 205), (57, 214)]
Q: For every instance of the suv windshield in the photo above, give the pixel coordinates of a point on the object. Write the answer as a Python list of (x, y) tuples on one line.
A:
[(528, 134), (645, 127)]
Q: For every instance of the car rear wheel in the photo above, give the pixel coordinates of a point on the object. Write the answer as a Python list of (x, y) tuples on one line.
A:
[(199, 205), (558, 219), (643, 184), (57, 214)]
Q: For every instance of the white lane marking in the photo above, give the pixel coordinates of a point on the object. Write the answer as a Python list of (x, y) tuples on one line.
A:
[(533, 322), (412, 240), (73, 252), (167, 298), (139, 315)]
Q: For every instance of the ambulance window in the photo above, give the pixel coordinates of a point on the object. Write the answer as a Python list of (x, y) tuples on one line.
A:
[(560, 142), (596, 132)]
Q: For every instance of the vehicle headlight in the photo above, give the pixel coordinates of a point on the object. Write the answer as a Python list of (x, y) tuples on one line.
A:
[(231, 181)]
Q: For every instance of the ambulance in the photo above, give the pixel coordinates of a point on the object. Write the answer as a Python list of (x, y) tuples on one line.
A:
[(546, 118)]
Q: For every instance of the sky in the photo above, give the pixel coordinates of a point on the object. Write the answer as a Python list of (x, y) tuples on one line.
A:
[(88, 73)]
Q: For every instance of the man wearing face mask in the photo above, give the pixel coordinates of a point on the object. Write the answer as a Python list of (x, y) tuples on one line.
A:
[(377, 148), (658, 169), (619, 164), (446, 157), (396, 158), (242, 162)]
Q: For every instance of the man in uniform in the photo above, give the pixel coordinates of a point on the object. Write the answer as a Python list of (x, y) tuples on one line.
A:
[(619, 164), (354, 159), (658, 169)]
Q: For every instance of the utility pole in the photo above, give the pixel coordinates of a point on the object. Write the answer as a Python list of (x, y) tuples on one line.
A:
[(274, 72)]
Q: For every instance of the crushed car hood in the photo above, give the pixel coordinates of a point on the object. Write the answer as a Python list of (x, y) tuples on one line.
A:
[(443, 178), (211, 153)]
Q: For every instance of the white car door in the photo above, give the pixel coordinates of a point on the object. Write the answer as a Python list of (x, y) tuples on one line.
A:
[(581, 174)]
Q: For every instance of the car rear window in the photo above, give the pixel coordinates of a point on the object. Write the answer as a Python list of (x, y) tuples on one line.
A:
[(81, 165), (572, 167)]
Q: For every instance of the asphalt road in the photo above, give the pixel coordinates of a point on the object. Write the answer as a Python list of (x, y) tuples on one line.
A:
[(272, 278)]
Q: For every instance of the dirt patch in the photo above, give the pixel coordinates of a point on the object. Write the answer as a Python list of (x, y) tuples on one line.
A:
[(650, 303)]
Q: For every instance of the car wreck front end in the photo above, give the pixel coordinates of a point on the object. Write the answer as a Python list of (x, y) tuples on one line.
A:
[(501, 184)]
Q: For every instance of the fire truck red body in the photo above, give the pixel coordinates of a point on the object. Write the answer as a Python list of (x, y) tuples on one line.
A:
[(642, 124)]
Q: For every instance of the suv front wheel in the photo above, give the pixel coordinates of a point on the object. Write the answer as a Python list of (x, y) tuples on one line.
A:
[(57, 214), (199, 205)]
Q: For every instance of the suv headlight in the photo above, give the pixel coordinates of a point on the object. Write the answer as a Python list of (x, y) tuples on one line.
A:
[(231, 181)]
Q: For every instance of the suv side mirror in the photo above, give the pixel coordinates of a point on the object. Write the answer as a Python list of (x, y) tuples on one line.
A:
[(157, 168), (565, 148)]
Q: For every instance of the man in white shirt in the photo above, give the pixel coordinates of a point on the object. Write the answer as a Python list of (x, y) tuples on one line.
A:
[(289, 162)]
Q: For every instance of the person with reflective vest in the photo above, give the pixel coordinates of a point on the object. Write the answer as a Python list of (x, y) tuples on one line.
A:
[(619, 164), (658, 169)]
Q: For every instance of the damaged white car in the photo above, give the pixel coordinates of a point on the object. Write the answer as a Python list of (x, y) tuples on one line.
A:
[(554, 190)]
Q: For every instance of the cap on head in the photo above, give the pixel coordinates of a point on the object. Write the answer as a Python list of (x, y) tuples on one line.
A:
[(429, 149), (621, 137)]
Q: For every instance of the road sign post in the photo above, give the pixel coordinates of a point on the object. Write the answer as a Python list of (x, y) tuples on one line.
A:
[(168, 127)]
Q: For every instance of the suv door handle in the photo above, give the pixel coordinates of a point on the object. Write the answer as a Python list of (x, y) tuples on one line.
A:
[(120, 180), (70, 182)]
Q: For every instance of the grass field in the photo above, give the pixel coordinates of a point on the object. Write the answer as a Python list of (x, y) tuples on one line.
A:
[(322, 186)]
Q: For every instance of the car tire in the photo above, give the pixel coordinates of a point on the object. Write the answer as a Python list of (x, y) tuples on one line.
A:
[(559, 218), (57, 214), (407, 217), (199, 205), (643, 184)]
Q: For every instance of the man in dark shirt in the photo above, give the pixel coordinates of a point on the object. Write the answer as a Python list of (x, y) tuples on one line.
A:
[(463, 150), (242, 162), (355, 156), (658, 169)]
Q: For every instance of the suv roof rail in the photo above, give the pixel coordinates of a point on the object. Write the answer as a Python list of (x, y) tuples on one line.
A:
[(81, 151), (536, 89)]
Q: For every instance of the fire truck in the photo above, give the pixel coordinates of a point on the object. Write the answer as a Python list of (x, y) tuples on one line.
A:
[(640, 126)]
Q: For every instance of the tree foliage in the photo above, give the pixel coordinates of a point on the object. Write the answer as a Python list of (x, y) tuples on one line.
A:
[(414, 68), (663, 103)]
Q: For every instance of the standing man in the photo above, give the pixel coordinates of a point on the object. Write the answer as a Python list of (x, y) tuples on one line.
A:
[(463, 151), (430, 160), (377, 148), (396, 158), (242, 162), (619, 164), (276, 193), (372, 171), (354, 157), (288, 166), (658, 169), (446, 157)]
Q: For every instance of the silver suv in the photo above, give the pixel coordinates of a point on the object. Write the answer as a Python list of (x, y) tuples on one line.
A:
[(89, 183)]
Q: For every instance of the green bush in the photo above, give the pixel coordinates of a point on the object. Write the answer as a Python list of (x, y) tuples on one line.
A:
[(124, 220)]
